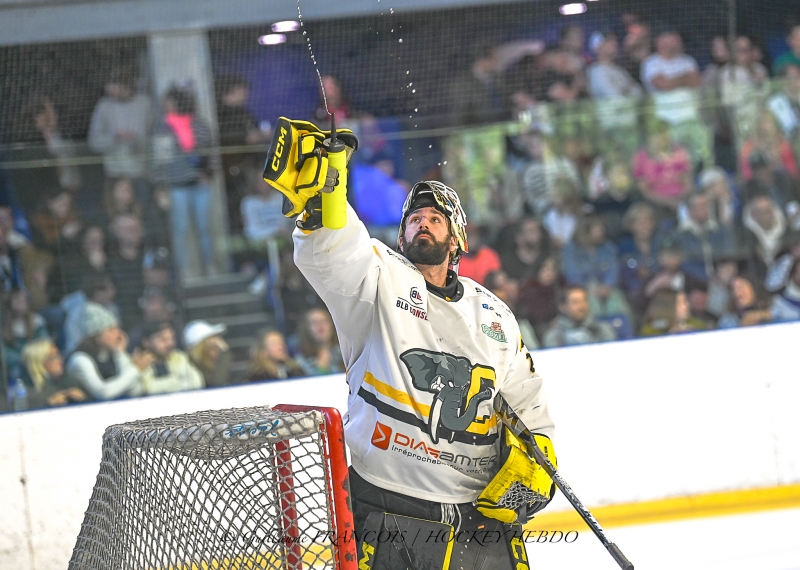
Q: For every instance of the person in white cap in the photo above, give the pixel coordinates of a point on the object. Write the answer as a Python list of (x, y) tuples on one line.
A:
[(100, 364), (208, 351)]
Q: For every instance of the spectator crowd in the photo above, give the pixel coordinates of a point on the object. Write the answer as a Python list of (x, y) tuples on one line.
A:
[(614, 190)]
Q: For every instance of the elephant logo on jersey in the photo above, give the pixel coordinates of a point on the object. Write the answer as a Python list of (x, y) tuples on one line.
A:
[(459, 388)]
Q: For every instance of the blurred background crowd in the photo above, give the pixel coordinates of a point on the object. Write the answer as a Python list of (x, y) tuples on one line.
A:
[(616, 184)]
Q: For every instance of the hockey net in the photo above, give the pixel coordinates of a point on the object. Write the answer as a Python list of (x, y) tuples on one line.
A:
[(230, 489)]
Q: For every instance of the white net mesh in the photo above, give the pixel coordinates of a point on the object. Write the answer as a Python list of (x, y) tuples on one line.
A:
[(239, 488)]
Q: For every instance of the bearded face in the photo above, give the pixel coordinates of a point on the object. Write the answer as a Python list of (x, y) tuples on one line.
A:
[(424, 249)]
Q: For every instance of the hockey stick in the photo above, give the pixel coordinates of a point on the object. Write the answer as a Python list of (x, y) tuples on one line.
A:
[(514, 423)]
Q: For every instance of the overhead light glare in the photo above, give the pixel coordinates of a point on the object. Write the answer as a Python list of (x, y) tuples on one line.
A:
[(272, 39), (285, 26), (572, 9)]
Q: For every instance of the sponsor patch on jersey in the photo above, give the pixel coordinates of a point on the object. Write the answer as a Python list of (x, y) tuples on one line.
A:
[(415, 296), (495, 332), (487, 307), (405, 305), (381, 436)]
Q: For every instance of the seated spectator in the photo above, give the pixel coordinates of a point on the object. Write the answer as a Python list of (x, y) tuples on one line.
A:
[(120, 198), (262, 216), (270, 360), (538, 297), (575, 324), (792, 55), (786, 305), (530, 247), (507, 290), (616, 95), (125, 265), (719, 301), (697, 296), (611, 193), (90, 260), (99, 289), (100, 366), (318, 346), (20, 326), (767, 140), (481, 259), (44, 374), (561, 219), (11, 276), (749, 307), (638, 253), (776, 183), (663, 171), (183, 165), (590, 261), (702, 239), (171, 370), (156, 308), (763, 234), (209, 352), (668, 274), (779, 272), (57, 225), (668, 313), (715, 182)]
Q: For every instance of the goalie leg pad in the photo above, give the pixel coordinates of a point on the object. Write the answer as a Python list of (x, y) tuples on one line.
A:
[(393, 542)]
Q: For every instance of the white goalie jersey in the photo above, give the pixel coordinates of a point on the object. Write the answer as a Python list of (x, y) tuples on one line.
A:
[(422, 371)]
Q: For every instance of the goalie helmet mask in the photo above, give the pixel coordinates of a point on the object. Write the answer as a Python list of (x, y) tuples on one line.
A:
[(431, 193)]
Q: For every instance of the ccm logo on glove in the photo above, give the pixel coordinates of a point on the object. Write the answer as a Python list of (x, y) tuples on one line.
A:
[(278, 154)]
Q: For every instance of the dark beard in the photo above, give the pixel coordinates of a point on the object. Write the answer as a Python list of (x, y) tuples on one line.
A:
[(426, 252)]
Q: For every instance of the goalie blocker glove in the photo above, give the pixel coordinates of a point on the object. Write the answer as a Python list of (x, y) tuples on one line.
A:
[(521, 487), (297, 167)]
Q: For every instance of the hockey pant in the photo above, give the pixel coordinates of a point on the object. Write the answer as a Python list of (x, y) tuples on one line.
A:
[(479, 543)]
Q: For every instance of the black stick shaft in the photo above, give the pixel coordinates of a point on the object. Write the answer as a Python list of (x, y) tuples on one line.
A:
[(514, 423)]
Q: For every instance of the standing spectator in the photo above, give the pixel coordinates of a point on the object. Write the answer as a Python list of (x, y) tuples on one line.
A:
[(270, 360), (714, 113), (791, 57), (763, 233), (100, 365), (531, 246), (318, 346), (44, 375), (638, 253), (673, 78), (786, 305), (119, 130), (766, 139), (663, 171), (481, 259), (744, 87), (335, 101), (785, 106), (590, 261), (10, 265), (637, 45), (182, 163), (209, 352), (125, 266), (616, 96), (575, 325), (238, 128), (20, 325), (750, 307), (476, 96), (668, 313), (171, 370), (702, 239)]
